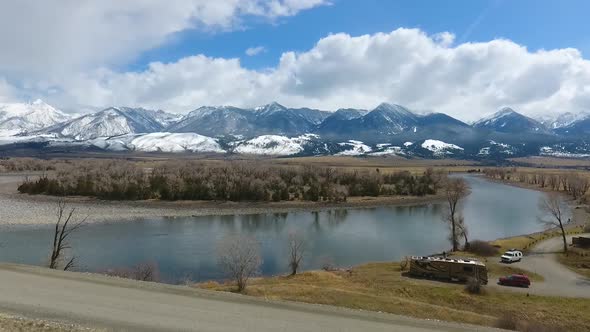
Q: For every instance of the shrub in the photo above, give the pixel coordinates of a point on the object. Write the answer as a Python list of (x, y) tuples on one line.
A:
[(507, 322), (141, 271), (482, 248), (404, 263), (240, 258), (510, 322), (473, 286)]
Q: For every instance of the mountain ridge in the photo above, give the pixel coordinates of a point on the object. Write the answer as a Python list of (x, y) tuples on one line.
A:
[(386, 129)]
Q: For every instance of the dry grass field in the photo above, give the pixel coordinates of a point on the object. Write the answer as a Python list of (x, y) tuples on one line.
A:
[(382, 287), (552, 162)]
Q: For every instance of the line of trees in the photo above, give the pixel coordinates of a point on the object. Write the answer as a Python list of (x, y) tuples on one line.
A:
[(573, 183), (233, 181), (553, 204)]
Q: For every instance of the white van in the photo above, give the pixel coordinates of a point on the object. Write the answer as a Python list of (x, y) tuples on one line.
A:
[(512, 256)]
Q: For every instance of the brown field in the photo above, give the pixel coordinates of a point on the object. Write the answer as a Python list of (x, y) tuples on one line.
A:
[(552, 162), (387, 164)]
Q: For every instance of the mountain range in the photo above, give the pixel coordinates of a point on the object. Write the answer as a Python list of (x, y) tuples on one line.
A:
[(274, 129)]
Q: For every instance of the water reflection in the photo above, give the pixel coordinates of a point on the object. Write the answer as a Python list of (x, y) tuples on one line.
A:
[(187, 246)]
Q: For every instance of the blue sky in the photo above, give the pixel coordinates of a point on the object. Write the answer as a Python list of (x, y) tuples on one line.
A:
[(466, 58), (538, 24)]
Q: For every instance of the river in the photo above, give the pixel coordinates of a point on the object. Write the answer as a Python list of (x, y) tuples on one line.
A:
[(185, 248)]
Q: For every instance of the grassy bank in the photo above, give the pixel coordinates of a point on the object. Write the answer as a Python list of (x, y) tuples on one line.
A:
[(577, 260), (381, 287)]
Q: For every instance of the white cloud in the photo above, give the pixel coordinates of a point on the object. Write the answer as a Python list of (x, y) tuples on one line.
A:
[(406, 66), (7, 92), (47, 39), (252, 51)]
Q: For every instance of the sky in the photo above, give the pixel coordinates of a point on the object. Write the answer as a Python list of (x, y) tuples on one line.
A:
[(465, 58)]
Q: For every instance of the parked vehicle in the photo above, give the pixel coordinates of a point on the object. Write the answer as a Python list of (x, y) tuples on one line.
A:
[(512, 256), (515, 280), (460, 269)]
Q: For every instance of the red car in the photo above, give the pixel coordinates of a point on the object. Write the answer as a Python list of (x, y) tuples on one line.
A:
[(516, 280)]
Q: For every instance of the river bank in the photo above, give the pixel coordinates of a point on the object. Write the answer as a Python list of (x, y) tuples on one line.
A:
[(22, 209), (580, 211)]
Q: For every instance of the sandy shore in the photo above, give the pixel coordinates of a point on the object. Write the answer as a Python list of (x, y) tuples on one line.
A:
[(21, 209)]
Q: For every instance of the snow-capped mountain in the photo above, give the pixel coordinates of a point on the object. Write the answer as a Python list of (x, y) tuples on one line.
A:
[(384, 121), (19, 118), (216, 121), (278, 119), (113, 121), (277, 130), (572, 124), (508, 121), (563, 119), (270, 119)]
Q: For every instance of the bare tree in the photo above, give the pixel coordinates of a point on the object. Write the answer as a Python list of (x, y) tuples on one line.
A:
[(147, 271), (554, 205), (239, 257), (64, 227), (462, 231), (455, 190), (296, 251)]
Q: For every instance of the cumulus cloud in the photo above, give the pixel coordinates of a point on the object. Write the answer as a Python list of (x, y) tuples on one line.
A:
[(252, 51), (54, 38), (7, 92), (405, 66)]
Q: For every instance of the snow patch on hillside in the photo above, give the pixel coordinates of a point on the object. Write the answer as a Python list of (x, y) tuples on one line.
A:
[(169, 142), (390, 151), (439, 147), (274, 145), (354, 148), (159, 142), (9, 139), (549, 151), (484, 151)]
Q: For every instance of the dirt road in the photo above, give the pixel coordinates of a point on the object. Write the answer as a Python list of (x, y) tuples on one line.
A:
[(559, 280), (103, 302)]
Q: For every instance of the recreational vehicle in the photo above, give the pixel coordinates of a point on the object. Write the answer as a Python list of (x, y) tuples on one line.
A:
[(460, 269)]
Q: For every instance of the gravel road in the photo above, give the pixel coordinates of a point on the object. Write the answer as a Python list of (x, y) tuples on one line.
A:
[(559, 280)]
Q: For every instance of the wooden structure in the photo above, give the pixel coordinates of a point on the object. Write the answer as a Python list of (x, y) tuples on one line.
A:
[(582, 242)]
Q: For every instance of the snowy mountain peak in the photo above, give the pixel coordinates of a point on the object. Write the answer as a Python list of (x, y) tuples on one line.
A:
[(394, 108), (112, 121), (565, 119), (271, 108), (19, 118), (509, 121), (506, 111)]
